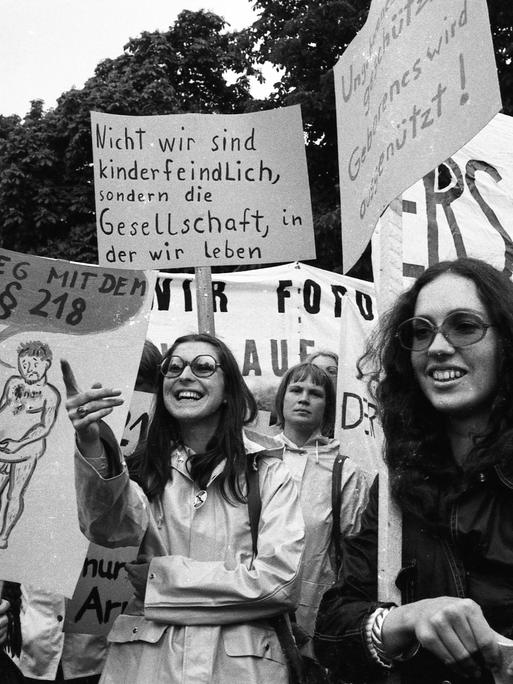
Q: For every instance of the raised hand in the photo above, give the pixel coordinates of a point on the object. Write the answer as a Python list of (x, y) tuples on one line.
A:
[(86, 409)]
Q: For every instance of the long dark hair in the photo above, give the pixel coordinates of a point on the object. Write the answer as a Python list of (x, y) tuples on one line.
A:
[(417, 450), (299, 373), (150, 463)]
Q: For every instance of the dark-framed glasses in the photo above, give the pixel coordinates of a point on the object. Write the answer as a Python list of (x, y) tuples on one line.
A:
[(202, 366), (460, 329)]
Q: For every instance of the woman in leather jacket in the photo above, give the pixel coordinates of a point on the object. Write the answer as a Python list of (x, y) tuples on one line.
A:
[(442, 370)]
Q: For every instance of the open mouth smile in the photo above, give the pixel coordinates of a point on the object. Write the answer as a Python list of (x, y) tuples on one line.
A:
[(188, 395), (446, 374)]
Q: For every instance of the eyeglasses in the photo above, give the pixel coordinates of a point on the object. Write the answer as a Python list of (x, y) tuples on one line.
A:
[(460, 329), (202, 366)]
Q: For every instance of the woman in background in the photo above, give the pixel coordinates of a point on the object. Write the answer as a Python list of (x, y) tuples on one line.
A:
[(305, 408)]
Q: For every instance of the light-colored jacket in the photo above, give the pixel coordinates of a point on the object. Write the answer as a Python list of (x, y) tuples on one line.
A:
[(207, 599), (311, 467), (45, 645)]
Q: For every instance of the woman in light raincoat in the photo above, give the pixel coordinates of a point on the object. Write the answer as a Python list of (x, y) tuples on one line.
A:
[(305, 408), (202, 602)]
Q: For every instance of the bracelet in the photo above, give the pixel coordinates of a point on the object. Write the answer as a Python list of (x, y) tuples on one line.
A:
[(373, 637), (374, 640)]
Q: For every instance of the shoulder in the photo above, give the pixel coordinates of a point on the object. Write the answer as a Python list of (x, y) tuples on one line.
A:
[(262, 446)]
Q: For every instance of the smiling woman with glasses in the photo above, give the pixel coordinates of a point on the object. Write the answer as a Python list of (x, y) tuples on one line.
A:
[(460, 328), (440, 367), (202, 598)]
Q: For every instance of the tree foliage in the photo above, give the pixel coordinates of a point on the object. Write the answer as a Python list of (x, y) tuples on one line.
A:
[(46, 174), (46, 181)]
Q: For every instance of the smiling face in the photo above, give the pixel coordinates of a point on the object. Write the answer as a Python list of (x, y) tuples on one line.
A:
[(459, 382), (191, 400), (304, 403)]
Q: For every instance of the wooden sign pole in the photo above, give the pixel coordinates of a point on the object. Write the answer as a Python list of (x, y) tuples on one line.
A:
[(390, 523), (205, 300)]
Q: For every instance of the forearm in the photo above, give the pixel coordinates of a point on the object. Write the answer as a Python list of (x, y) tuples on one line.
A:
[(112, 510)]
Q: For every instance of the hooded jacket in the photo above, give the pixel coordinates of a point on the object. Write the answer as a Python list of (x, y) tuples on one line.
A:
[(203, 620), (311, 467)]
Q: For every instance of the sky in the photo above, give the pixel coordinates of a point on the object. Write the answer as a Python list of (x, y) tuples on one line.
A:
[(50, 46)]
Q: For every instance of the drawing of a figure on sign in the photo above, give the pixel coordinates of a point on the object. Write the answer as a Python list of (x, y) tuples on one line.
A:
[(28, 410)]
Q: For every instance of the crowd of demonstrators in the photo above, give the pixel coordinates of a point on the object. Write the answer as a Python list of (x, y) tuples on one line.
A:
[(443, 377), (440, 367), (202, 599), (305, 408)]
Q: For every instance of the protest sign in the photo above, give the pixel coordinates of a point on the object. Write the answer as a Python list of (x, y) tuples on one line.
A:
[(197, 190), (416, 84), (271, 319), (137, 421), (461, 208), (96, 318), (102, 592)]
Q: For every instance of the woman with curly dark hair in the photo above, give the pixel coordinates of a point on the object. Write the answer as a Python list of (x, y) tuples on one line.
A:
[(203, 599), (442, 372)]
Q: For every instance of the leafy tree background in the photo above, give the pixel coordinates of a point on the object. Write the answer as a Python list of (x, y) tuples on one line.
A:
[(46, 177)]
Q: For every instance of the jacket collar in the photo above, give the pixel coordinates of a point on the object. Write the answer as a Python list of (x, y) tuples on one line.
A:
[(315, 440)]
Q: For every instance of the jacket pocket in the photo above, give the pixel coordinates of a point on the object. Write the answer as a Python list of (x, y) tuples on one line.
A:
[(136, 628), (252, 640), (406, 581)]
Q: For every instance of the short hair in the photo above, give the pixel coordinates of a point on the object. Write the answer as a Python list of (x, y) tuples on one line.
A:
[(308, 371), (35, 348)]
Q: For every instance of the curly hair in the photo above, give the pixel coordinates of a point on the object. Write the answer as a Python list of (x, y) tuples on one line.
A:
[(417, 451), (150, 463), (35, 348), (317, 375)]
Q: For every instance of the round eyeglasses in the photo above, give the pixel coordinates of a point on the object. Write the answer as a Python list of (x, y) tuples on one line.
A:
[(202, 366), (460, 329)]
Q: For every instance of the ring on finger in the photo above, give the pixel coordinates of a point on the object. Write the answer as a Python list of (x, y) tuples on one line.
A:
[(81, 411)]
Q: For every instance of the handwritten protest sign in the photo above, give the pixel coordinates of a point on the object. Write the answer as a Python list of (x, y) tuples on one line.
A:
[(102, 592), (416, 84), (201, 190), (96, 318), (461, 208), (136, 422)]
